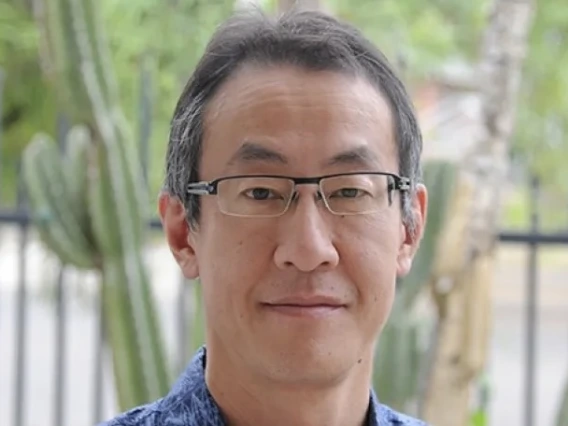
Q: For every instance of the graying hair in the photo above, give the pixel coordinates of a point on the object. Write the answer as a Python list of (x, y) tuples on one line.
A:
[(307, 39)]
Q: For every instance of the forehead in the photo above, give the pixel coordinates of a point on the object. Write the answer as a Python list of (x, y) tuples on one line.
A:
[(307, 118)]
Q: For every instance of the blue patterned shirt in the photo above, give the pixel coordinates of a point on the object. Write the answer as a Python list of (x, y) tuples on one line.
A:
[(189, 403)]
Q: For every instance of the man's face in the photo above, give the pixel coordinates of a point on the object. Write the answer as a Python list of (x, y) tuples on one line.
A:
[(256, 272)]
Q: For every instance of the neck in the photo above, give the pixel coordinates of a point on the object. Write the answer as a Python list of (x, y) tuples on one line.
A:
[(247, 400)]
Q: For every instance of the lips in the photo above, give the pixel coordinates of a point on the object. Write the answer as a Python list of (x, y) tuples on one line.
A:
[(310, 306), (308, 301)]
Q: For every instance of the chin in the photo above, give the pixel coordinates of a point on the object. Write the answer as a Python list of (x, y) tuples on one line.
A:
[(310, 361)]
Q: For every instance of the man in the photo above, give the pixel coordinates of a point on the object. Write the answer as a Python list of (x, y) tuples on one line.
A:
[(292, 193)]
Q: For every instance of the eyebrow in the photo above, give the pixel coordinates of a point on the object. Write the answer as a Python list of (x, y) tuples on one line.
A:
[(251, 152), (360, 156)]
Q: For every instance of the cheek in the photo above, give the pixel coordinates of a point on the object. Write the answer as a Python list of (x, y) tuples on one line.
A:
[(375, 277), (373, 243), (234, 257), (370, 257), (374, 272)]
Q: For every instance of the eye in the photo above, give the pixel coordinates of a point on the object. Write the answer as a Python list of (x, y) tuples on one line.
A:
[(260, 194), (349, 193)]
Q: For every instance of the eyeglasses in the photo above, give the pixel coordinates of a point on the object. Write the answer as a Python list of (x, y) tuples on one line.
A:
[(271, 196)]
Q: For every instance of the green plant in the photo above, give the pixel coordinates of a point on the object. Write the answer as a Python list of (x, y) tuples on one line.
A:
[(562, 414), (90, 202), (399, 362), (480, 412)]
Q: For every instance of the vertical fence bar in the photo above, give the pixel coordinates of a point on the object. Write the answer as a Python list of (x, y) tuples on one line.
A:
[(21, 309), (60, 314), (1, 105), (60, 347), (99, 358), (531, 305), (1, 184)]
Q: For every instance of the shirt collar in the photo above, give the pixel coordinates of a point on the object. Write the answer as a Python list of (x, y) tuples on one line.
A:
[(192, 390)]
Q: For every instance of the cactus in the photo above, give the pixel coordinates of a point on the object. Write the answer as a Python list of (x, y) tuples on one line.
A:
[(400, 360), (89, 203), (43, 164)]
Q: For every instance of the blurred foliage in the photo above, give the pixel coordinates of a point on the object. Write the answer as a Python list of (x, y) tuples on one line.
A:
[(27, 102), (166, 36), (17, 33), (416, 36), (518, 204), (541, 136)]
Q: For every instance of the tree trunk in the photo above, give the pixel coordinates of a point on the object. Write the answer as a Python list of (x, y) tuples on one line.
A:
[(463, 275)]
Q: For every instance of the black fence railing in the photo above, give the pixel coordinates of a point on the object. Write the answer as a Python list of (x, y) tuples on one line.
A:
[(533, 239), (20, 222)]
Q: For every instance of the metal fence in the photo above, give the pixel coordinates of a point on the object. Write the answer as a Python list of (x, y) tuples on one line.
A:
[(19, 220), (534, 239), (56, 397)]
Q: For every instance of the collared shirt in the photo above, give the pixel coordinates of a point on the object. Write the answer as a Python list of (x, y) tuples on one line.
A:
[(189, 403)]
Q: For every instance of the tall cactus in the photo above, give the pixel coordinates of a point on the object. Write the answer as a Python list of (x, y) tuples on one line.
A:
[(400, 360), (90, 203)]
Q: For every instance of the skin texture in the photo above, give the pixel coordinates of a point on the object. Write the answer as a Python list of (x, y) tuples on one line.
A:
[(264, 367)]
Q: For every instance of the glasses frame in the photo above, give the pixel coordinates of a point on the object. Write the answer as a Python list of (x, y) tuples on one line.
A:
[(399, 183)]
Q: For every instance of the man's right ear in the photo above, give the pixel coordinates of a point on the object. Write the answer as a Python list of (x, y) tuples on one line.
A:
[(178, 234)]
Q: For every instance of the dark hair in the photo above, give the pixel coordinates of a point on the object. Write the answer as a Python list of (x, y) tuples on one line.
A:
[(308, 39)]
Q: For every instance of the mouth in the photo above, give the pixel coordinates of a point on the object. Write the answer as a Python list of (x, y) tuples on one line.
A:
[(314, 307)]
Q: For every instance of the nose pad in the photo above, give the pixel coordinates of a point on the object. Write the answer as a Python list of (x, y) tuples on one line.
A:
[(318, 196)]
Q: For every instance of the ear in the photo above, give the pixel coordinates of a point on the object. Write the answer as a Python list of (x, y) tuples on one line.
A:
[(178, 234), (411, 238)]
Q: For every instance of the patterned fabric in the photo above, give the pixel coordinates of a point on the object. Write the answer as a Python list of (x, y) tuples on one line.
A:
[(189, 403)]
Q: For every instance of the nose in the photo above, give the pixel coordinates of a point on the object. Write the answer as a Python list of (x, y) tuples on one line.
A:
[(305, 239)]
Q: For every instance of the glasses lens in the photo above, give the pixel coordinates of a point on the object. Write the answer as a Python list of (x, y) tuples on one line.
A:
[(254, 196), (356, 194)]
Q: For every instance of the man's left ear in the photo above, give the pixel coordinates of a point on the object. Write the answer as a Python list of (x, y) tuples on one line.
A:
[(411, 236)]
